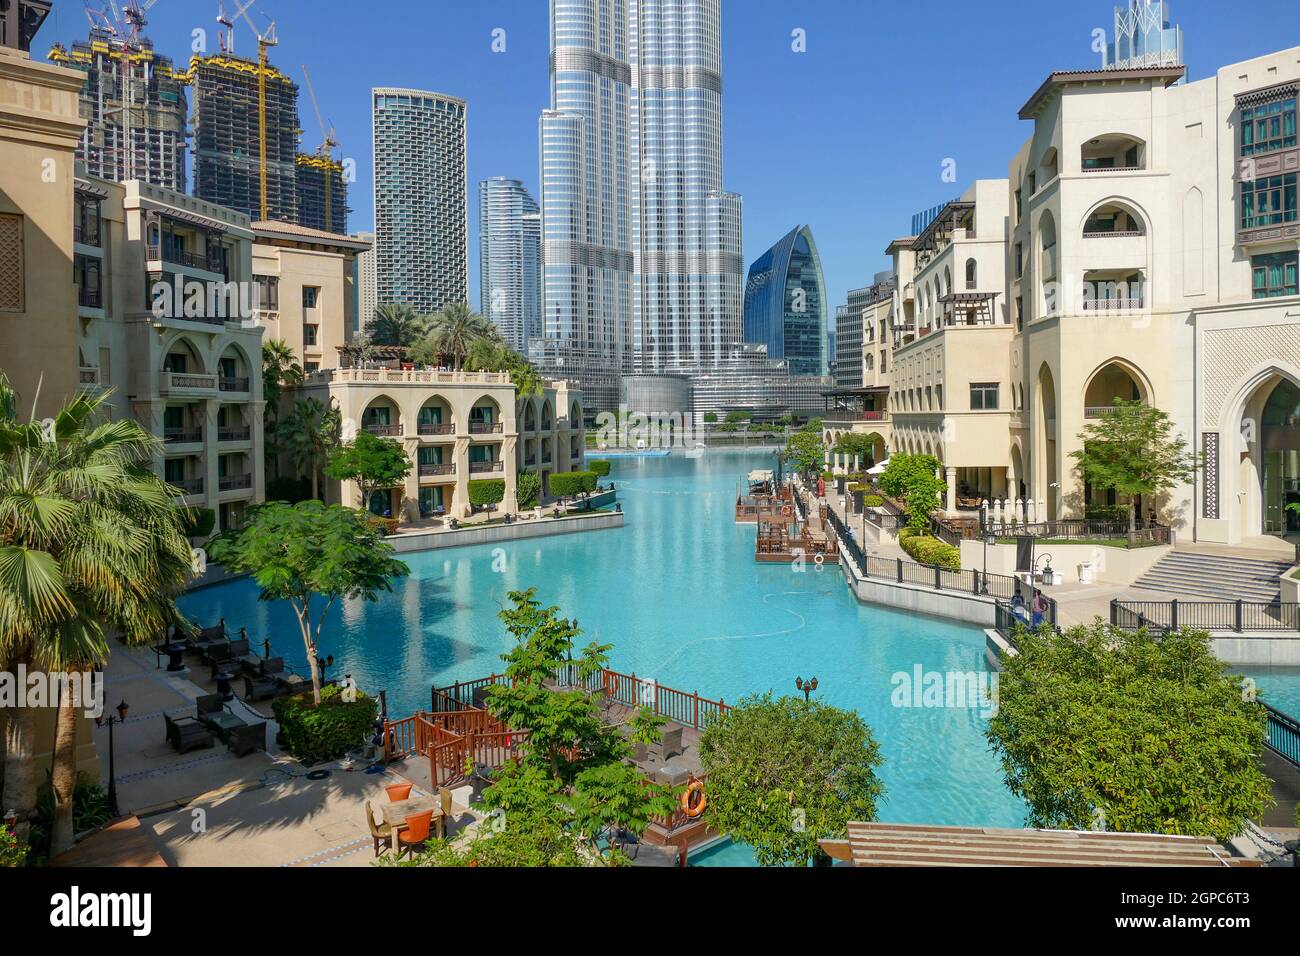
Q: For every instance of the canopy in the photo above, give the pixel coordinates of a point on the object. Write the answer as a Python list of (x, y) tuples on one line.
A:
[(759, 475), (878, 469)]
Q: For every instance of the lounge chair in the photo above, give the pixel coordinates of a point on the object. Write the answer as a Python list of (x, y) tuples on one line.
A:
[(186, 733), (227, 658), (669, 744), (412, 837), (264, 683), (244, 740), (206, 637), (208, 706), (381, 833), (398, 791)]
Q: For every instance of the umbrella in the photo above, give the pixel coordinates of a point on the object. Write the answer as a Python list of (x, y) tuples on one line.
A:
[(878, 469)]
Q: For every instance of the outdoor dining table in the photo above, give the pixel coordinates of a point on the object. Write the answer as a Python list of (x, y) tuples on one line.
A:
[(396, 812)]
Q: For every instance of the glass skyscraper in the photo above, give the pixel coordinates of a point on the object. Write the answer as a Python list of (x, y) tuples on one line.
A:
[(1144, 37), (641, 244), (510, 252), (785, 303), (421, 205)]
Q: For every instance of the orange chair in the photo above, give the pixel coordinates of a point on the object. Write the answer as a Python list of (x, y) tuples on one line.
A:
[(412, 836), (398, 791)]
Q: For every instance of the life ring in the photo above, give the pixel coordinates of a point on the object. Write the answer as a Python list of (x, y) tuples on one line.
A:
[(694, 800), (785, 510)]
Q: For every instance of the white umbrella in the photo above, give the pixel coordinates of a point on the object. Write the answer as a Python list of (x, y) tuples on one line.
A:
[(878, 469)]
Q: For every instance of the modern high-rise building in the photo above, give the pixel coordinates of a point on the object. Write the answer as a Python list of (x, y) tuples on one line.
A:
[(318, 177), (367, 293), (1144, 38), (227, 136), (785, 303), (510, 252), (421, 205), (134, 105), (641, 245)]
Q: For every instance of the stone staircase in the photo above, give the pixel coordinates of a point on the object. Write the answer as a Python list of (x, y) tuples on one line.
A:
[(1214, 577)]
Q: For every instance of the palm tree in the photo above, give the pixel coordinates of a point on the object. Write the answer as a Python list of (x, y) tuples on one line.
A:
[(487, 355), (280, 368), (91, 541), (396, 323), (308, 434), (455, 330)]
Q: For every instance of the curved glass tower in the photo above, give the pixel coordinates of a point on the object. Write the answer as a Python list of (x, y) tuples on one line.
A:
[(785, 303), (509, 259)]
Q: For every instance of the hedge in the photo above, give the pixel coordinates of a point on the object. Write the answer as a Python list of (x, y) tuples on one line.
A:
[(873, 501), (315, 734), (599, 467), (528, 489), (1106, 513), (487, 491), (924, 549), (382, 525), (566, 484), (198, 522)]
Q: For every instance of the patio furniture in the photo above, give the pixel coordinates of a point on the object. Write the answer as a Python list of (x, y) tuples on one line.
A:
[(186, 733), (381, 833), (671, 775), (174, 650), (260, 687), (640, 753), (669, 744), (413, 836), (208, 706), (246, 738), (223, 679), (291, 683), (227, 657), (398, 791), (207, 637)]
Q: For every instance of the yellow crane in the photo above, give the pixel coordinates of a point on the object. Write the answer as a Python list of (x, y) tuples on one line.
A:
[(328, 142), (265, 40)]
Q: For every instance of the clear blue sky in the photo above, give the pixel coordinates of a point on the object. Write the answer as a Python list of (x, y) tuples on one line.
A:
[(848, 136)]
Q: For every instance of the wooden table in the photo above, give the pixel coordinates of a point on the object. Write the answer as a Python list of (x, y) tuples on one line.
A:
[(396, 812)]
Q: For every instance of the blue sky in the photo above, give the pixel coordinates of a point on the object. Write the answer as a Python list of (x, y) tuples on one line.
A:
[(849, 136)]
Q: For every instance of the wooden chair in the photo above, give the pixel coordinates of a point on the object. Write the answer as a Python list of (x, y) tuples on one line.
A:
[(669, 744), (444, 802), (413, 836), (381, 833), (398, 791)]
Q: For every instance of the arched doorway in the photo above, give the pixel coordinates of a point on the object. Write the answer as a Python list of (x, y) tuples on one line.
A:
[(1047, 484), (1279, 460)]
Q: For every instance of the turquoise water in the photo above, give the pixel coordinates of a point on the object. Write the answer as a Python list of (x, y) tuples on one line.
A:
[(1278, 686), (679, 595)]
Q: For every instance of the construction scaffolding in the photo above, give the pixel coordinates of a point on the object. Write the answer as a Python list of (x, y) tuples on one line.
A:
[(135, 109), (315, 173), (227, 140)]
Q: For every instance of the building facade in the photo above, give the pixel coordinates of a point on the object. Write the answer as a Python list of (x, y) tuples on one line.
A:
[(135, 105), (421, 204), (322, 193), (367, 291), (510, 250), (785, 303), (641, 244)]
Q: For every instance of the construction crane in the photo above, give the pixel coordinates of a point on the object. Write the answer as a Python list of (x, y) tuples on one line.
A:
[(124, 27), (328, 142), (265, 40)]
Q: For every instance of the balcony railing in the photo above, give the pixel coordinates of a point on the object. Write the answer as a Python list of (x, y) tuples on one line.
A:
[(1095, 233), (178, 257), (235, 483), (428, 469), (1097, 411), (89, 298), (479, 467), (1112, 169), (232, 384), (849, 415), (191, 486), (235, 434), (89, 375), (385, 431), (485, 428), (188, 382), (436, 428), (85, 236), (1111, 305), (182, 436)]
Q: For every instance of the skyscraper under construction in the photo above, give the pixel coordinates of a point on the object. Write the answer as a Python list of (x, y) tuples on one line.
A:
[(227, 140), (134, 105), (316, 174)]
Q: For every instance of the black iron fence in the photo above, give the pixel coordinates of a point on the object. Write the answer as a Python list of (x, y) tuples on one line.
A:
[(1083, 529), (1284, 735), (1236, 616)]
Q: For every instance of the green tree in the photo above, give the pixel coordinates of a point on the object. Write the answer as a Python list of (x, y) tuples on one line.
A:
[(528, 489), (372, 462), (396, 323), (280, 370), (91, 542), (711, 418), (784, 773), (1132, 449), (1139, 732), (806, 450), (903, 470), (454, 332), (486, 491), (308, 434), (492, 355), (856, 445), (299, 553)]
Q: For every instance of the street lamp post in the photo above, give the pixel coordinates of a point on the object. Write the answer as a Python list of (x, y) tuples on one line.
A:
[(109, 721), (807, 686)]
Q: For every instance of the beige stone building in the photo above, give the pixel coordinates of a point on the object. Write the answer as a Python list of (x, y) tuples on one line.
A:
[(1144, 246)]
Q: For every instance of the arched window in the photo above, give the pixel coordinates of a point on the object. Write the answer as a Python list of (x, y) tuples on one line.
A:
[(970, 274)]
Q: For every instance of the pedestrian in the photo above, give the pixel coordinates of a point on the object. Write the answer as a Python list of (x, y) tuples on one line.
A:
[(1039, 608)]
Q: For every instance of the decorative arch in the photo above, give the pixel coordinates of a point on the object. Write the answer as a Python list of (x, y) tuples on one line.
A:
[(181, 343), (1115, 214), (1139, 379)]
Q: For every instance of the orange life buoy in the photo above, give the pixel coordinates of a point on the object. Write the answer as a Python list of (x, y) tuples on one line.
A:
[(785, 510), (694, 799)]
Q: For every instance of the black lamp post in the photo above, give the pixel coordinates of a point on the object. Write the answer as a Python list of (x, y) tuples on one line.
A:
[(109, 721), (321, 664), (990, 537), (807, 686)]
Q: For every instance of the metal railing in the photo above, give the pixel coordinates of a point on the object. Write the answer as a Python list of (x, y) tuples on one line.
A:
[(436, 468), (485, 428), (234, 434), (478, 467), (89, 298), (384, 431), (235, 483), (1111, 305), (228, 383), (191, 486), (1235, 616), (194, 260), (435, 428), (182, 436), (1283, 735), (1084, 529)]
